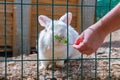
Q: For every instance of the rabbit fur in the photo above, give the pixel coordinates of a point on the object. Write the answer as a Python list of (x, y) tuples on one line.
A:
[(45, 40)]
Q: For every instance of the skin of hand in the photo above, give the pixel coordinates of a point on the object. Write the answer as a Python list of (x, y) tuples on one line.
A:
[(95, 37), (92, 38)]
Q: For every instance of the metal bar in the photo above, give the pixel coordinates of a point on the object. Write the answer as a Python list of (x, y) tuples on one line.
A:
[(63, 59), (95, 52), (81, 67), (109, 62), (67, 66), (22, 67), (5, 39), (53, 60), (37, 39)]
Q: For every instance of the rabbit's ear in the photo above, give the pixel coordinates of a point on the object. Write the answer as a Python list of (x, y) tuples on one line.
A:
[(64, 18), (44, 20)]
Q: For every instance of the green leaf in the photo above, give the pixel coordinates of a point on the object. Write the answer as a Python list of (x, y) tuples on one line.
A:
[(63, 40)]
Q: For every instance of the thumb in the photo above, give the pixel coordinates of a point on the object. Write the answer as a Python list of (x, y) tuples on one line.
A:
[(78, 44), (79, 39)]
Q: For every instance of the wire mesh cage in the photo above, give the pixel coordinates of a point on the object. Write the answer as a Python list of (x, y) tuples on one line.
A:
[(20, 58)]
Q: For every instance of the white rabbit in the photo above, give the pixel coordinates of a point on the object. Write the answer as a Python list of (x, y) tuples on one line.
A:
[(45, 40)]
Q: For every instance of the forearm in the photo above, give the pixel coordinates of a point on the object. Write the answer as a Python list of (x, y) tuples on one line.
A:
[(110, 22)]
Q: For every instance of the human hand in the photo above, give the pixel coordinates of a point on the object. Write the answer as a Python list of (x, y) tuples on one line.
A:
[(92, 38), (89, 41)]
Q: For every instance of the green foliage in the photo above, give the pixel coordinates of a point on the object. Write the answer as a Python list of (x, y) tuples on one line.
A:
[(61, 39)]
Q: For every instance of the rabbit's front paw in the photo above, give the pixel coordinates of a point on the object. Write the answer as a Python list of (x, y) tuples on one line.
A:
[(44, 64)]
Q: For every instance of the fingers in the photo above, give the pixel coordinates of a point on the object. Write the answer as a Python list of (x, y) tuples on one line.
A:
[(85, 49), (78, 42), (79, 39), (82, 46), (79, 46)]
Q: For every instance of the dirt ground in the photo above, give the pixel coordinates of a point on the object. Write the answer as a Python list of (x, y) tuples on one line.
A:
[(103, 65)]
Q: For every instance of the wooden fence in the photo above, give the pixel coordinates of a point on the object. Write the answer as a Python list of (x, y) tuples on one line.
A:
[(12, 30), (7, 27)]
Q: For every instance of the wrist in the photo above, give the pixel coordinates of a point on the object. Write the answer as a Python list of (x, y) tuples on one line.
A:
[(100, 28)]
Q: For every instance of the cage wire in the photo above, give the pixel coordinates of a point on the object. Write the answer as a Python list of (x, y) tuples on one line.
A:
[(84, 68)]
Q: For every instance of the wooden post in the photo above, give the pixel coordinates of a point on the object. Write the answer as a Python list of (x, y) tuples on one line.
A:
[(79, 17), (25, 25), (88, 13)]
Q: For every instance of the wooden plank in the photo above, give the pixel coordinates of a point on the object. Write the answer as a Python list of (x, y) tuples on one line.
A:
[(2, 33), (55, 1), (78, 22), (8, 22), (8, 49), (8, 30), (14, 34), (2, 19), (9, 25), (58, 11), (7, 0), (9, 8), (8, 42)]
